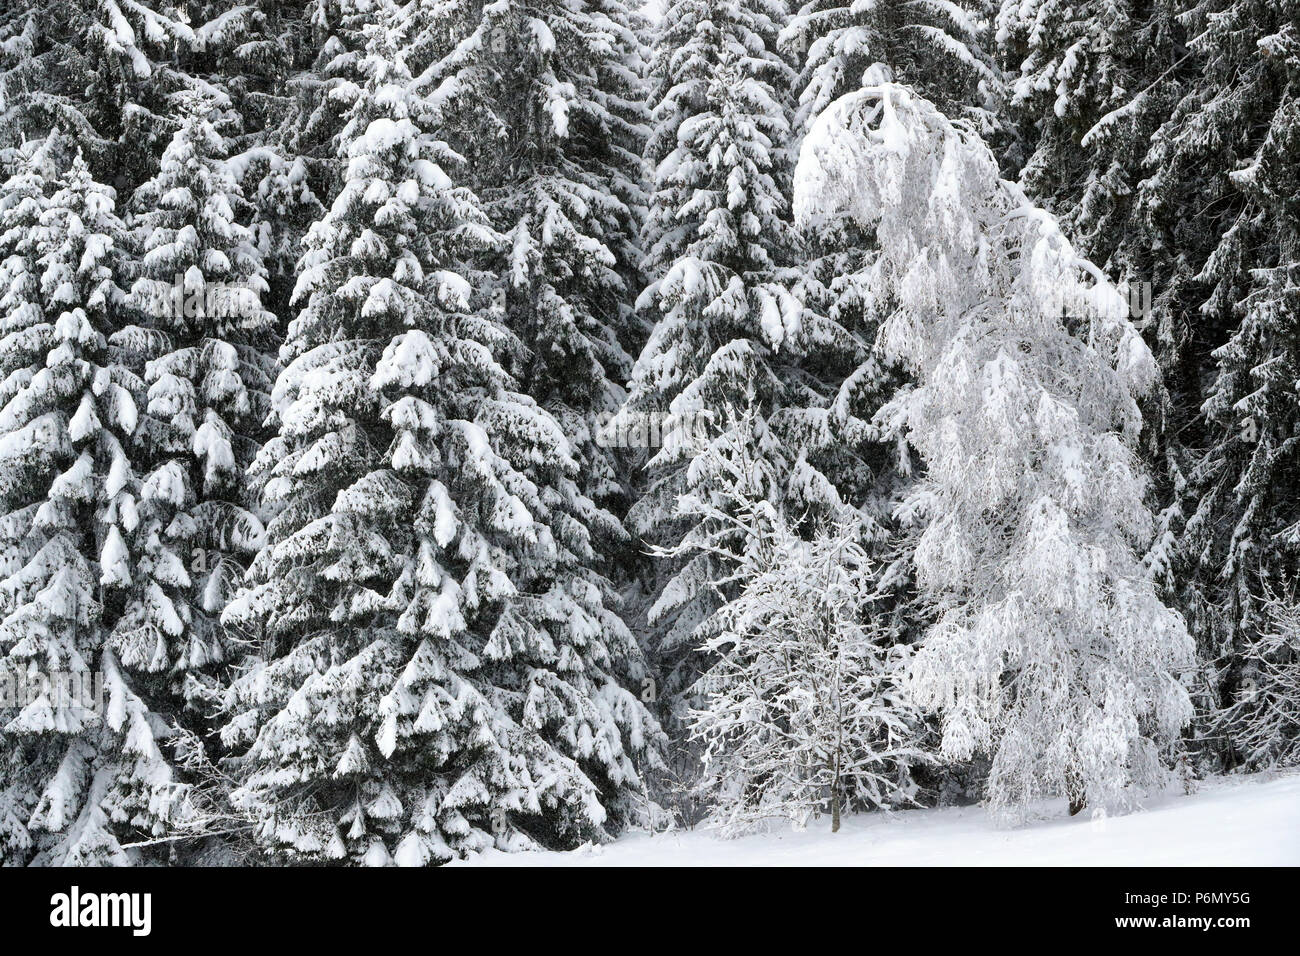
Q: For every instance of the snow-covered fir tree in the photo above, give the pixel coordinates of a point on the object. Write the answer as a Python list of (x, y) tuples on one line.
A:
[(726, 331), (1068, 66), (200, 347), (251, 51), (1237, 134), (935, 46), (257, 58), (1089, 85), (328, 88), (96, 779), (543, 99), (285, 204), (1051, 650), (439, 672), (561, 364), (23, 198), (100, 70)]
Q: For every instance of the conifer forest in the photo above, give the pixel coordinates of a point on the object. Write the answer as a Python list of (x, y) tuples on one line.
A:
[(433, 429)]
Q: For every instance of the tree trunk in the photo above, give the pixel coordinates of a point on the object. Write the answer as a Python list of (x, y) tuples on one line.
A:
[(1075, 791), (835, 797)]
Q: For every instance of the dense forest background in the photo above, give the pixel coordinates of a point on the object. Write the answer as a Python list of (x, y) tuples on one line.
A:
[(449, 424)]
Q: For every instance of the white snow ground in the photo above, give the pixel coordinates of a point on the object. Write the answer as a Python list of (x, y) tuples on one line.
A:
[(1229, 821)]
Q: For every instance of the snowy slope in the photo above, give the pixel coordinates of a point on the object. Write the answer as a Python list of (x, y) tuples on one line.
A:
[(1232, 821)]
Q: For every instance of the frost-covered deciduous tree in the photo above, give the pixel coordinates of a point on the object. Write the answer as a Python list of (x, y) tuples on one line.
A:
[(96, 780), (436, 669), (1164, 136), (937, 48), (934, 46), (802, 712), (1051, 650), (1091, 84)]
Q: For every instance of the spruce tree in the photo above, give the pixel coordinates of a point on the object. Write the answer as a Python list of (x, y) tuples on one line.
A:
[(725, 326), (1262, 721), (935, 46), (101, 71), (439, 673), (1236, 136), (98, 777), (256, 59), (23, 198), (200, 349), (544, 103)]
